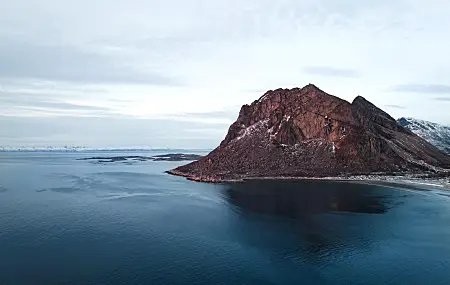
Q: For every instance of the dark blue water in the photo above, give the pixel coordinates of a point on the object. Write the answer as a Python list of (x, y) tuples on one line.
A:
[(64, 221)]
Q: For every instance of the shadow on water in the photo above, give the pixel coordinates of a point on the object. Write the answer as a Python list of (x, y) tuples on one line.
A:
[(323, 216), (295, 199)]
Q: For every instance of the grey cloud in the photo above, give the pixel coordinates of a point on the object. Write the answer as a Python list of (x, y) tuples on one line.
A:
[(222, 117), (422, 88), (258, 91), (395, 106), (25, 60), (51, 105), (226, 114), (46, 104), (220, 17), (445, 99), (178, 43), (10, 98), (220, 131), (331, 71)]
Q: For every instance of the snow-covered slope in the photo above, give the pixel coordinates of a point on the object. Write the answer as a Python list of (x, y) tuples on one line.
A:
[(436, 134)]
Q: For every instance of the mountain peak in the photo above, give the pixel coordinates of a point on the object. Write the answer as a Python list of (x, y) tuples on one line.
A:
[(280, 93), (359, 99), (363, 102), (311, 87)]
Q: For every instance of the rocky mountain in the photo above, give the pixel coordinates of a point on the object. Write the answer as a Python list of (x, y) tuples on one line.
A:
[(436, 134), (305, 132)]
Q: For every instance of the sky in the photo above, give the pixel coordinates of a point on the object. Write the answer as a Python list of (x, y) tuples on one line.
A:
[(174, 73)]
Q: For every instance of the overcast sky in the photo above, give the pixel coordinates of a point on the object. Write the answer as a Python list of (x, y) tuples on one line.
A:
[(174, 73)]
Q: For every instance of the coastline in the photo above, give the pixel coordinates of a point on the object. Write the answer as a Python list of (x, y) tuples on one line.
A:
[(407, 182)]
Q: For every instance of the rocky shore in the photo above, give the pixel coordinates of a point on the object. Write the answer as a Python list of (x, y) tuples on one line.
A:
[(410, 181)]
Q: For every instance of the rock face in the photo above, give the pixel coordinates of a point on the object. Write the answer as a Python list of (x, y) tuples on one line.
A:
[(436, 134), (309, 133)]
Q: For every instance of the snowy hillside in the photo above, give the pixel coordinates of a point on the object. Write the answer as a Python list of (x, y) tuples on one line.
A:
[(436, 134)]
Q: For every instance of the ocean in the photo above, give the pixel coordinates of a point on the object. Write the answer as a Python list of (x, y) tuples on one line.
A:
[(69, 221)]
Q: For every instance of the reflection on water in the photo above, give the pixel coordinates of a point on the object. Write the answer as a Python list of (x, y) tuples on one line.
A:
[(317, 211), (296, 199)]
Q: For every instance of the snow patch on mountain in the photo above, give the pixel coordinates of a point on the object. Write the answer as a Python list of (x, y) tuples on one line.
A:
[(252, 129), (436, 134)]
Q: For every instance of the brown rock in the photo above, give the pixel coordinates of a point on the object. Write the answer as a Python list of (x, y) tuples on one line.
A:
[(309, 133)]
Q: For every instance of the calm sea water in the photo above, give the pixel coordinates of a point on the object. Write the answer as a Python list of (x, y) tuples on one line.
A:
[(64, 221)]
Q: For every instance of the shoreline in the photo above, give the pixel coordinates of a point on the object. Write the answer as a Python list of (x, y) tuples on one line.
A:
[(413, 183)]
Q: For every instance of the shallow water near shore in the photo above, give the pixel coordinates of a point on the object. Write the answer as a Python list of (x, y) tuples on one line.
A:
[(68, 221)]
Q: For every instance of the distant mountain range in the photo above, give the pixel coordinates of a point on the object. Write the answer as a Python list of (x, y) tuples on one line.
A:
[(66, 149), (436, 134)]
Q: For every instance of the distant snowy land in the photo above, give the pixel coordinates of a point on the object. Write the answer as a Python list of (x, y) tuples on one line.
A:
[(89, 149)]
